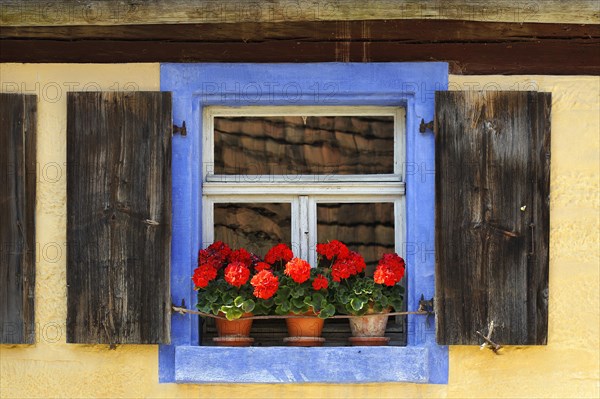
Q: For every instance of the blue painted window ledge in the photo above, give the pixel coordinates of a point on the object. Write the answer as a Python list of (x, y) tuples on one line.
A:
[(195, 86), (286, 365)]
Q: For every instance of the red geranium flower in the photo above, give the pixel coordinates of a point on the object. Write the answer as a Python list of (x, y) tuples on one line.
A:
[(342, 269), (219, 247), (265, 284), (349, 266), (358, 261), (204, 275), (279, 252), (333, 249), (242, 256), (320, 283), (237, 274), (215, 255), (396, 263), (298, 269), (261, 266), (390, 269), (385, 275)]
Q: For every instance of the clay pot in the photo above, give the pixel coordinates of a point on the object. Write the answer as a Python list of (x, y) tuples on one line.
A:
[(369, 330), (305, 331), (234, 332)]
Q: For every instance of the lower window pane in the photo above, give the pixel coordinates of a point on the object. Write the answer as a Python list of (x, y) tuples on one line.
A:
[(254, 226), (367, 228)]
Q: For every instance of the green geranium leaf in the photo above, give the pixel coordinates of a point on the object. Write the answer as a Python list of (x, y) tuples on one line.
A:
[(384, 301), (279, 299), (298, 303), (283, 291), (317, 298), (211, 296), (233, 313), (396, 304), (238, 301), (309, 301), (248, 305), (327, 311), (278, 310), (297, 292), (357, 304)]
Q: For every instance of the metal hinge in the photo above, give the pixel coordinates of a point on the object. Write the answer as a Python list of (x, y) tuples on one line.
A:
[(424, 126), (181, 130)]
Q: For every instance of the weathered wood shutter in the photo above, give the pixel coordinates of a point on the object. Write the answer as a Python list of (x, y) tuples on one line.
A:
[(17, 217), (492, 216), (119, 217)]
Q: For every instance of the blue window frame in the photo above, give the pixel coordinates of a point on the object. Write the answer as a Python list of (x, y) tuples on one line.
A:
[(195, 86)]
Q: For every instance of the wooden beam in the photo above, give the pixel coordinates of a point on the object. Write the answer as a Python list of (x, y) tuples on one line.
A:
[(130, 12), (407, 31), (470, 47)]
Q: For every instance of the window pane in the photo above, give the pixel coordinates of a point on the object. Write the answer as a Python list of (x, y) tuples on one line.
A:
[(367, 228), (295, 145), (253, 226)]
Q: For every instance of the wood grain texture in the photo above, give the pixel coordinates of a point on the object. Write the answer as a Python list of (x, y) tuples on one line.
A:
[(404, 31), (18, 115), (119, 217), (470, 47), (117, 12), (492, 216)]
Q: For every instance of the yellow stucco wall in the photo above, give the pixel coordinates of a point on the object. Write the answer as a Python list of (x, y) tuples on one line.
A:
[(567, 367)]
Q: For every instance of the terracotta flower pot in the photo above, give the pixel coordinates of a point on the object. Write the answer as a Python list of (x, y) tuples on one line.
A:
[(234, 332), (305, 331), (369, 330)]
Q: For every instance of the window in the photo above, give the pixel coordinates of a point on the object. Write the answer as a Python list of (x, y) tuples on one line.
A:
[(236, 91), (302, 175)]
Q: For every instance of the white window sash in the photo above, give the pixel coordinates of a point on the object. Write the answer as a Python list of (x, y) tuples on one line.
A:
[(304, 192)]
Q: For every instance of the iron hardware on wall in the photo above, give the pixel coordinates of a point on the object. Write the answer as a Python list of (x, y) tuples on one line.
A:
[(181, 130)]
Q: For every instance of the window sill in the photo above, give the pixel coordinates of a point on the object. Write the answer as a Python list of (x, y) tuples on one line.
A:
[(202, 364)]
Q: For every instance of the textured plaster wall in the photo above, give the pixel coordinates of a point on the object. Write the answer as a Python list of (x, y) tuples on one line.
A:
[(567, 367)]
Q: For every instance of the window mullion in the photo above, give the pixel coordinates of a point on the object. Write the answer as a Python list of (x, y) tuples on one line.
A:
[(304, 231), (312, 231), (296, 227)]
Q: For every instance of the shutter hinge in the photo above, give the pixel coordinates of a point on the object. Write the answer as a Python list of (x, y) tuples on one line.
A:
[(423, 127), (181, 130)]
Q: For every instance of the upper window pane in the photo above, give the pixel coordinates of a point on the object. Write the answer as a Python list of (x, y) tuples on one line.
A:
[(297, 145)]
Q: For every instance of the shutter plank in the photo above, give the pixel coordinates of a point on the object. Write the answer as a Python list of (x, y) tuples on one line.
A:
[(119, 217), (492, 216), (17, 215)]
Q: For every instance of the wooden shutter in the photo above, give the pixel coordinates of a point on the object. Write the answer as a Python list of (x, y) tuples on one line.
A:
[(17, 217), (492, 216), (119, 217)]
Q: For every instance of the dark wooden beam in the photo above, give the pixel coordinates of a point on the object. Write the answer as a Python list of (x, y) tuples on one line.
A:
[(408, 31), (470, 47)]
